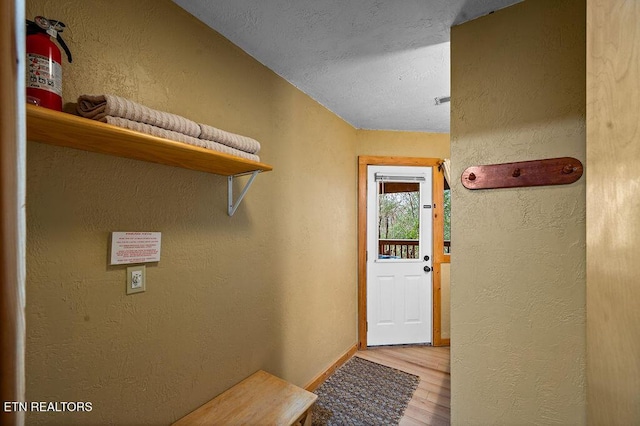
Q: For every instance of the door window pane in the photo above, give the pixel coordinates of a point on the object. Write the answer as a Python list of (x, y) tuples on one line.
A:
[(447, 218), (398, 220)]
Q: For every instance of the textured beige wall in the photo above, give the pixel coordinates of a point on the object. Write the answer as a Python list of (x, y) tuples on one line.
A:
[(518, 276), (402, 144), (273, 287), (613, 213)]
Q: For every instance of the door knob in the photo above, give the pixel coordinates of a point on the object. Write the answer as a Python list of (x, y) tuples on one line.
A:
[(426, 258), (427, 269)]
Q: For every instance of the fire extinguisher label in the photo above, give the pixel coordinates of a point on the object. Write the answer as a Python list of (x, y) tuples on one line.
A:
[(44, 74)]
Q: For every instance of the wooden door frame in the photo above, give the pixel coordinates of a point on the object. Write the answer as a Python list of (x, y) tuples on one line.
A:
[(439, 257), (438, 254), (12, 232)]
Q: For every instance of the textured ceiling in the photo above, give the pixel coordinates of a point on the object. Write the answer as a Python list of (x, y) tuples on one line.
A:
[(378, 64)]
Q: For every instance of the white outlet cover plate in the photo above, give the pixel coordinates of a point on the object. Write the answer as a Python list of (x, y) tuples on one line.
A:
[(136, 279)]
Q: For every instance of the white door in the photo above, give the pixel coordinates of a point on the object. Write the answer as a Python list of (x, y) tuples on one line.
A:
[(399, 252)]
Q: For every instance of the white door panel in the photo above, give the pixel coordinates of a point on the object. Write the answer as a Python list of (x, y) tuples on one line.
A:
[(412, 296), (398, 288), (384, 302)]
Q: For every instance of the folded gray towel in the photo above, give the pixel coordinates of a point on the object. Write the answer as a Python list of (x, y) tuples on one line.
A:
[(97, 107), (168, 134), (243, 143)]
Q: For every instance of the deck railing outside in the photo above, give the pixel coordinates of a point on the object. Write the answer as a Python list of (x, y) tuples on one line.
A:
[(403, 249), (398, 249)]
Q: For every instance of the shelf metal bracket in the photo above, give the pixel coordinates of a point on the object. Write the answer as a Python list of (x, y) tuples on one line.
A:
[(231, 205)]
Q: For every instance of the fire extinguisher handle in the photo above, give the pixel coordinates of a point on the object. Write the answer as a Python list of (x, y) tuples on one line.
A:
[(64, 46)]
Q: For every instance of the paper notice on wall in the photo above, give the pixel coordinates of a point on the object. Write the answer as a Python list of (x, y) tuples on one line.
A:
[(135, 247)]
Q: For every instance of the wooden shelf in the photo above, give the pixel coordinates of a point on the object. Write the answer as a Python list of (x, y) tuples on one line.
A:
[(62, 129)]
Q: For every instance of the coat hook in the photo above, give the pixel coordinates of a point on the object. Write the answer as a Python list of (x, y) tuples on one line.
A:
[(550, 171)]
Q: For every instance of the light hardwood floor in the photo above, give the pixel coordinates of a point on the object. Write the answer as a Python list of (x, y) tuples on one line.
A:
[(431, 402)]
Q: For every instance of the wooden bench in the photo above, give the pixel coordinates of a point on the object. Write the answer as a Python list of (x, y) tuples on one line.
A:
[(261, 399)]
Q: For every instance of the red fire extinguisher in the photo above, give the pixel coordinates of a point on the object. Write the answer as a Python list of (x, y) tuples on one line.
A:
[(44, 69)]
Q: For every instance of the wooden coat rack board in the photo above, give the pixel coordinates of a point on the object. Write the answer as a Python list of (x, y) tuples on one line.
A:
[(552, 171)]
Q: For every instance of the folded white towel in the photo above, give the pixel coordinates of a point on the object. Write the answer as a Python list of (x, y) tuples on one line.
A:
[(97, 107), (168, 134), (243, 143)]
